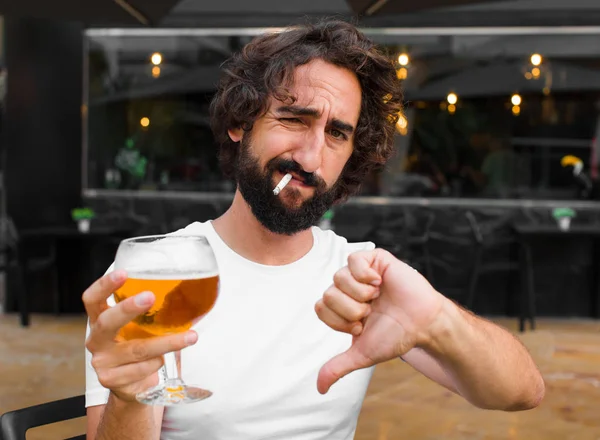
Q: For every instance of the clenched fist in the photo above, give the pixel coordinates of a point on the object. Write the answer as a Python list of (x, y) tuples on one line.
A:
[(385, 304)]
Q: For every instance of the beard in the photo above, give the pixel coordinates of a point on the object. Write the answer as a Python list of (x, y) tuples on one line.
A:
[(256, 187)]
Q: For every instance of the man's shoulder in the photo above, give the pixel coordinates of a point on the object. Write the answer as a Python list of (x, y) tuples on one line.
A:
[(194, 228), (337, 244)]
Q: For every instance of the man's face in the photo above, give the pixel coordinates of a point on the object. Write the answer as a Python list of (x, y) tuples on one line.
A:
[(312, 139)]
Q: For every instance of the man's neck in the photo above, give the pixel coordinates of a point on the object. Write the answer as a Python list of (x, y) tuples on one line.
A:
[(246, 236)]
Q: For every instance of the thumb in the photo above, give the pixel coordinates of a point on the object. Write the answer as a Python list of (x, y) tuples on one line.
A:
[(339, 366)]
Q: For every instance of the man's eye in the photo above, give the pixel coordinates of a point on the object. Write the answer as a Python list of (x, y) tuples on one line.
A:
[(291, 120), (337, 134)]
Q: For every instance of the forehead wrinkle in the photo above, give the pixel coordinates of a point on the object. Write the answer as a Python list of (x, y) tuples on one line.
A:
[(318, 85)]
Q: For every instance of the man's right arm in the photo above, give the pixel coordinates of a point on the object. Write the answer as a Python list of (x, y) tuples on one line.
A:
[(123, 366), (124, 421)]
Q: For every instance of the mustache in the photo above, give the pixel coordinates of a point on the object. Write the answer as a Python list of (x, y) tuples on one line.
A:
[(290, 166)]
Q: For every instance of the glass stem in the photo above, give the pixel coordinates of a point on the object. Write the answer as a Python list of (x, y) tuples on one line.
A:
[(173, 368)]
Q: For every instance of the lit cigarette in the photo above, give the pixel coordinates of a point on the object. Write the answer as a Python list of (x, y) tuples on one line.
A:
[(282, 183)]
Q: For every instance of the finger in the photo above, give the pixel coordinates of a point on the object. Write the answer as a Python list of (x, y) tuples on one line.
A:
[(340, 366), (335, 321), (108, 324), (345, 306), (132, 331), (95, 296), (140, 350), (361, 292), (128, 374), (360, 265)]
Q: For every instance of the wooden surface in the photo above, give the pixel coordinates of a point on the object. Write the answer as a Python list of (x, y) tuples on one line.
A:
[(45, 362)]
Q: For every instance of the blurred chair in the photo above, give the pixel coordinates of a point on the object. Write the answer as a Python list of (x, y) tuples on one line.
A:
[(14, 259), (406, 237), (465, 250), (451, 249), (492, 238), (15, 424)]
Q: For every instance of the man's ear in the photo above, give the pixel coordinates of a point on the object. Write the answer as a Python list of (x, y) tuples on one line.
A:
[(235, 134)]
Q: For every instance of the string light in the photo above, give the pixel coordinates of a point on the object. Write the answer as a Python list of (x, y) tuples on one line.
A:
[(402, 73), (402, 125), (536, 59), (156, 58), (403, 59)]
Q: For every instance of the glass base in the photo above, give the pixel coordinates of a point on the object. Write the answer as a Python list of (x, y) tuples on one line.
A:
[(173, 392)]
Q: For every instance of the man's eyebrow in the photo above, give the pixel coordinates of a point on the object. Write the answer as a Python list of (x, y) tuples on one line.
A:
[(342, 126), (307, 111), (298, 111)]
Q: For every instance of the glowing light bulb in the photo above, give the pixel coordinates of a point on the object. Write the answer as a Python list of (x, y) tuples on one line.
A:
[(156, 58)]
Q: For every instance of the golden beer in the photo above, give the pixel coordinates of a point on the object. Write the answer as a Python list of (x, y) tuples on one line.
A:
[(179, 303)]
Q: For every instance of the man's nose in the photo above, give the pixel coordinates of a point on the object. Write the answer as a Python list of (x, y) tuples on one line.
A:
[(309, 153)]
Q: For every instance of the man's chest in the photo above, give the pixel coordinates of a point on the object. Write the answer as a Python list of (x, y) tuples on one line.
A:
[(260, 351), (266, 326)]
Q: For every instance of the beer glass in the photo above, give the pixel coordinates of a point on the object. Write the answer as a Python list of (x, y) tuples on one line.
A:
[(182, 273)]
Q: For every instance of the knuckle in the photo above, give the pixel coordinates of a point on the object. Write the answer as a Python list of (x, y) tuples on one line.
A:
[(353, 258), (346, 328), (100, 324), (88, 304), (319, 307), (338, 277), (89, 293), (384, 253), (343, 275), (364, 294), (104, 282), (139, 350), (355, 315), (106, 377), (358, 313), (96, 362), (336, 326), (341, 326), (329, 297), (90, 344), (85, 297), (99, 361), (366, 310)]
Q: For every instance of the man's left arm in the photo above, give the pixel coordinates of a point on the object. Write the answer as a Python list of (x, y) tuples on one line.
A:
[(392, 311), (478, 360)]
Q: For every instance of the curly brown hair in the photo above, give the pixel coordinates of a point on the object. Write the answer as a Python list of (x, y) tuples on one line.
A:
[(265, 68)]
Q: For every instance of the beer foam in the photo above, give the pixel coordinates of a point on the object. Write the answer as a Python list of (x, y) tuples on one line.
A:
[(171, 275), (174, 256)]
